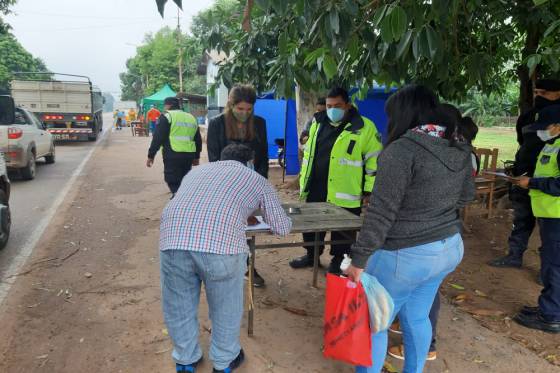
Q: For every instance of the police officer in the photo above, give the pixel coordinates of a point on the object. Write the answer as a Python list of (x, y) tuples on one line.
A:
[(339, 166), (178, 135), (546, 93), (544, 190)]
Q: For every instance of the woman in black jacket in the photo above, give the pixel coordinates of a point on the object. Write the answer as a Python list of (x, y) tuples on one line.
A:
[(238, 124)]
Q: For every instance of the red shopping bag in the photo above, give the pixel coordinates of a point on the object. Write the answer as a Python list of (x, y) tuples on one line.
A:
[(346, 334)]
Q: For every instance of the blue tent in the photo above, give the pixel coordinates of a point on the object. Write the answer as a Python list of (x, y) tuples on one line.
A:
[(281, 121)]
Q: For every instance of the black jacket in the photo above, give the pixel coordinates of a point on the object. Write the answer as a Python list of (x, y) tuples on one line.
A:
[(217, 141), (161, 139)]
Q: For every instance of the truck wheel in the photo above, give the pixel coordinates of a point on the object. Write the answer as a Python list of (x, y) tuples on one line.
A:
[(51, 158), (29, 171), (92, 137), (6, 220)]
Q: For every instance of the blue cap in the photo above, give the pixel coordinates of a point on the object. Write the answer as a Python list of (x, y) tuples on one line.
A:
[(545, 117)]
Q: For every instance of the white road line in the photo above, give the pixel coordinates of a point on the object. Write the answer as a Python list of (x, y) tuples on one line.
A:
[(19, 260)]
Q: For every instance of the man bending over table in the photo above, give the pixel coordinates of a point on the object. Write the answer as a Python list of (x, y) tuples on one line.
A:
[(202, 239)]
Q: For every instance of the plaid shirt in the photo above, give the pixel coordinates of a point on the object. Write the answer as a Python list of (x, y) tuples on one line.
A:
[(210, 210)]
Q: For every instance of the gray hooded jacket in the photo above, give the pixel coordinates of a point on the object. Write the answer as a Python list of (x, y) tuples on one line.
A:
[(421, 184)]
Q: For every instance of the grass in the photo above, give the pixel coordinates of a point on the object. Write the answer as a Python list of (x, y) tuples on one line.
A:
[(505, 139)]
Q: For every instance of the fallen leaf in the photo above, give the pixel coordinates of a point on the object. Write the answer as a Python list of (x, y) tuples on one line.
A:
[(480, 293), (42, 356), (390, 368), (460, 298), (484, 312), (478, 361), (296, 311), (458, 287), (164, 332)]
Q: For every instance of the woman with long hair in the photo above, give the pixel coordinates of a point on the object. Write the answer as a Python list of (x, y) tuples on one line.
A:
[(410, 239), (238, 124)]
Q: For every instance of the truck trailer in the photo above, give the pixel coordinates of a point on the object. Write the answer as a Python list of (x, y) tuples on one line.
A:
[(71, 110)]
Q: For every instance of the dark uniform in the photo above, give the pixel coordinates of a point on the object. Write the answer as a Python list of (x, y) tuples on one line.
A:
[(525, 160), (176, 164), (544, 191)]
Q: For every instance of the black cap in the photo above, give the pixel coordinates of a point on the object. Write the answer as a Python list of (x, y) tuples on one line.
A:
[(173, 101), (548, 84), (547, 116)]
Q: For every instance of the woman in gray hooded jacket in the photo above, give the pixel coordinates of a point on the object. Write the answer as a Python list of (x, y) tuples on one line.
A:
[(410, 239)]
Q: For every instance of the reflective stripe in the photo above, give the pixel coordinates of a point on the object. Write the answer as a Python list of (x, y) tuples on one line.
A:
[(348, 197), (183, 138), (304, 162), (348, 162), (189, 125), (371, 172), (550, 149), (371, 155)]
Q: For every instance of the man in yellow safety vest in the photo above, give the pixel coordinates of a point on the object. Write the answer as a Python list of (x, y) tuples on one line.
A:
[(544, 190), (178, 135)]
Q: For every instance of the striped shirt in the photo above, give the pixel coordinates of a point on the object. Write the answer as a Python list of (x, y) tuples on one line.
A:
[(210, 210)]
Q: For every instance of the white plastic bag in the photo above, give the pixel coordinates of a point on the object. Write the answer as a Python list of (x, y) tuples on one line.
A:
[(380, 303)]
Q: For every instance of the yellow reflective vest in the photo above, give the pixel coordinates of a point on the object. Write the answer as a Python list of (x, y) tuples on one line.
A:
[(353, 163), (544, 205), (183, 128)]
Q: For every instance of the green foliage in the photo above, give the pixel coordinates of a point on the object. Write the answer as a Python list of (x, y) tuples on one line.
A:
[(15, 58), (156, 64), (453, 46)]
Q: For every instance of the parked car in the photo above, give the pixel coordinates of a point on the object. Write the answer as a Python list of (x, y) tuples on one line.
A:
[(6, 117), (28, 140)]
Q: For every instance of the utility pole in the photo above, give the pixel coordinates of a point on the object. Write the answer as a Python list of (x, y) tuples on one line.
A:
[(180, 51)]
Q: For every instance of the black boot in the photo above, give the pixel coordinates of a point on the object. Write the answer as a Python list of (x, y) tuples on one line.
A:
[(302, 262), (258, 281), (508, 261), (334, 266)]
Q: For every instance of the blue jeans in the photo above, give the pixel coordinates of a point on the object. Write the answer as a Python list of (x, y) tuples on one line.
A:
[(412, 276), (182, 273)]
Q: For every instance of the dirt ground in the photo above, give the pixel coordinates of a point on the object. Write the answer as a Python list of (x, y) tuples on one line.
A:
[(88, 299)]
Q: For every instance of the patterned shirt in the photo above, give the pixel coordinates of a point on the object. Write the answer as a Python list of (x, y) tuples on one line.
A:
[(209, 211)]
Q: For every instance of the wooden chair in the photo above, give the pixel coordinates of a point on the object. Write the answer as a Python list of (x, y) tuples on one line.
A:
[(485, 184)]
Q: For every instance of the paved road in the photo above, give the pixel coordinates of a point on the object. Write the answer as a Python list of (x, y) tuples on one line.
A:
[(30, 201)]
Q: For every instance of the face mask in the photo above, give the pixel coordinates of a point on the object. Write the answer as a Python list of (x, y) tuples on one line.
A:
[(541, 102), (335, 115), (251, 165), (545, 135), (241, 116)]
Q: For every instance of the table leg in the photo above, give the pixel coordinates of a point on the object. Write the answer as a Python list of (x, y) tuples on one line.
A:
[(251, 286), (316, 258)]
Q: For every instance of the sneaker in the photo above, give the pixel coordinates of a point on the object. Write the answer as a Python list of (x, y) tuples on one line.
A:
[(508, 261), (302, 262), (191, 368), (395, 327), (258, 281), (233, 365), (398, 353)]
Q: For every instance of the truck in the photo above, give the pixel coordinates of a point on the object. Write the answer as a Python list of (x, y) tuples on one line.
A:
[(72, 110)]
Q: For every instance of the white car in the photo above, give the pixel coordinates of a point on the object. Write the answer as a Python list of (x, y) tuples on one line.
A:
[(28, 141)]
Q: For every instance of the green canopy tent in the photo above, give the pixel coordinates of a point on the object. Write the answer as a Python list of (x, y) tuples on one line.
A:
[(157, 98)]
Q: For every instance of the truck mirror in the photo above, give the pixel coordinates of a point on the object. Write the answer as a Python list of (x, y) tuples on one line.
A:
[(7, 110)]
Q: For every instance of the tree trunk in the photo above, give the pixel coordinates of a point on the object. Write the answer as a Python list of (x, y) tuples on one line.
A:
[(305, 106), (526, 82)]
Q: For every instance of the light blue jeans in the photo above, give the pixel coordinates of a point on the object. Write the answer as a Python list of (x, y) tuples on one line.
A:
[(412, 276), (182, 273)]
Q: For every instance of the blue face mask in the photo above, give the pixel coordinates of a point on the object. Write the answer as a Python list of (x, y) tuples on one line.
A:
[(335, 114), (251, 165)]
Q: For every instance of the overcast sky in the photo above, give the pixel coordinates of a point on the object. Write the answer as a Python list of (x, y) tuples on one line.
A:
[(92, 37)]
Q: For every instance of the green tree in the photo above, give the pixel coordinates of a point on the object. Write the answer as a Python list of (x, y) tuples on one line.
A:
[(15, 58), (452, 46), (156, 64)]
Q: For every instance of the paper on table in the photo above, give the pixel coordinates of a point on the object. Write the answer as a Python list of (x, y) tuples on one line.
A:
[(498, 174), (260, 226)]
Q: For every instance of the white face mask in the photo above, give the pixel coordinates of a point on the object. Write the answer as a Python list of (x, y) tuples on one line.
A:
[(545, 135)]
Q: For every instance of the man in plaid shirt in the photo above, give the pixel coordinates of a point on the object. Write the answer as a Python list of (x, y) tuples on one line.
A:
[(202, 239)]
